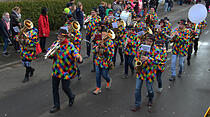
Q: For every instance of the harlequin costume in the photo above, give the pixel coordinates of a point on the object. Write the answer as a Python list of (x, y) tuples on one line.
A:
[(91, 27), (146, 72), (131, 44), (121, 35), (151, 22), (103, 61), (28, 51), (179, 48), (64, 68)]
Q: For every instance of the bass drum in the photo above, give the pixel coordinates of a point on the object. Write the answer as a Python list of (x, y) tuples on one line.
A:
[(126, 16)]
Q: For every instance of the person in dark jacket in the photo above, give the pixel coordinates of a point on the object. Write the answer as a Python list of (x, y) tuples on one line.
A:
[(16, 25), (44, 29), (80, 14), (5, 31)]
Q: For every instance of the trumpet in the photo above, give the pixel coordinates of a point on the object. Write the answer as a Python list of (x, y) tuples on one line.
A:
[(53, 49)]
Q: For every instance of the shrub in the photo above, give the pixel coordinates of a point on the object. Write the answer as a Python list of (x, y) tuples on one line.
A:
[(31, 9)]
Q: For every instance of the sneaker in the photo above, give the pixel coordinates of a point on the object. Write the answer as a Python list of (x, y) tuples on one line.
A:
[(109, 84), (134, 109), (97, 91), (172, 78), (125, 76), (54, 109), (6, 54), (160, 90)]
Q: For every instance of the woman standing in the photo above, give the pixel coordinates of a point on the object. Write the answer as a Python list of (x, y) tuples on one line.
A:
[(44, 29), (80, 14), (16, 25), (5, 31)]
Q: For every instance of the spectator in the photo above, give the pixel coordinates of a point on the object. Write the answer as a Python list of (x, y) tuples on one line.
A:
[(116, 6), (73, 11), (5, 31), (145, 6), (70, 3), (109, 7), (207, 4), (80, 14), (166, 5), (102, 10), (170, 5), (15, 25), (44, 29)]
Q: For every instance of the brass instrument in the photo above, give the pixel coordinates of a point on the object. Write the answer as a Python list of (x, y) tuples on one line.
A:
[(74, 26), (52, 50), (27, 25), (138, 65)]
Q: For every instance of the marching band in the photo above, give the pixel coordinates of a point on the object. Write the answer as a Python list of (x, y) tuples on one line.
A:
[(144, 41)]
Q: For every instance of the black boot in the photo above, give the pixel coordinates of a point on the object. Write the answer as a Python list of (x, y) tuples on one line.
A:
[(32, 71), (188, 62), (71, 101), (26, 79)]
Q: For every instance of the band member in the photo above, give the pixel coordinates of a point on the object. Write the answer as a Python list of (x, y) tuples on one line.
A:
[(200, 27), (97, 36), (180, 47), (91, 27), (120, 40), (64, 68), (131, 44), (108, 20), (28, 43), (161, 66), (193, 34), (146, 71), (74, 31), (104, 50), (168, 25), (139, 24), (151, 18), (161, 32)]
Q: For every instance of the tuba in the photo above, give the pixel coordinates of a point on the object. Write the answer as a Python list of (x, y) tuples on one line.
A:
[(74, 26), (138, 65), (111, 34)]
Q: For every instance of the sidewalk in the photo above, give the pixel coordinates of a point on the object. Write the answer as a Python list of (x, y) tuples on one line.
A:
[(14, 58)]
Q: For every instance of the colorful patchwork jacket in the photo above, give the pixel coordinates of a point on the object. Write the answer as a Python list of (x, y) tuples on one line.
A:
[(131, 10), (169, 28), (149, 67), (122, 35), (64, 61), (162, 35), (108, 21), (202, 25), (131, 44), (77, 39), (104, 58), (154, 17), (28, 50), (181, 42), (163, 57), (139, 26), (193, 34), (91, 26)]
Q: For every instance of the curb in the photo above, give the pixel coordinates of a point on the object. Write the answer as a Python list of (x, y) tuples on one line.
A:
[(9, 64)]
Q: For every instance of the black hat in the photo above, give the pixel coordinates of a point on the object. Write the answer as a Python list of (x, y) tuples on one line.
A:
[(166, 18), (182, 21), (68, 5)]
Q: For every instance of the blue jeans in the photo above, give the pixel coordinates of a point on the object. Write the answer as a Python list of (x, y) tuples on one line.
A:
[(104, 72), (129, 62), (166, 7), (139, 83), (159, 80), (5, 39), (173, 64)]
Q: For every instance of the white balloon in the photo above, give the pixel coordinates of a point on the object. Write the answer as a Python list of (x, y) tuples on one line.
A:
[(197, 13)]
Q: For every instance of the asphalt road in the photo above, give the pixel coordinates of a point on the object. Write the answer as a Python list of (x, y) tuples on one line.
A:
[(187, 97)]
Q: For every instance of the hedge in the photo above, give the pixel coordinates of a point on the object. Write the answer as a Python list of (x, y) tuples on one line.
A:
[(31, 9)]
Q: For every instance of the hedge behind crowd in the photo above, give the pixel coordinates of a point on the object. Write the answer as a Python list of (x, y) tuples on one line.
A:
[(31, 9)]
